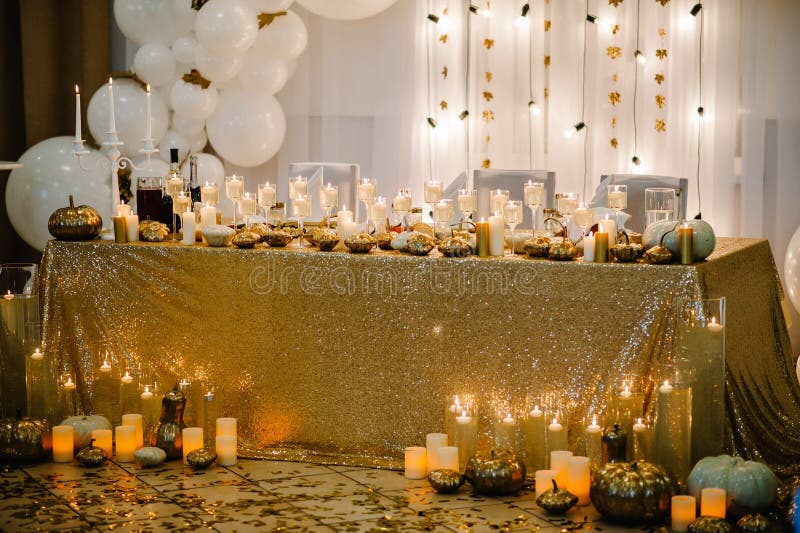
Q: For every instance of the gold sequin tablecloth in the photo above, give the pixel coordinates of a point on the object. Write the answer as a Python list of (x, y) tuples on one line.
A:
[(348, 358)]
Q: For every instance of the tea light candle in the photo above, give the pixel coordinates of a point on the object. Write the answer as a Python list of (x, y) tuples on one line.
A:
[(208, 216), (447, 457), (433, 190), (105, 367), (415, 464), (578, 469), (192, 440), (683, 513), (126, 443), (434, 441), (482, 237), (132, 228), (609, 227), (329, 195), (497, 239), (601, 247), (558, 462), (63, 444), (135, 420), (226, 450), (69, 384), (544, 481), (714, 326), (401, 204), (557, 436), (685, 237), (588, 248), (37, 355), (666, 388), (103, 439), (189, 230), (712, 502), (147, 394), (8, 295), (344, 215), (626, 391), (127, 378)]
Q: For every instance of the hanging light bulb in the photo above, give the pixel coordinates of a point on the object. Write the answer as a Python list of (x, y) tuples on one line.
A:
[(534, 108), (432, 122), (444, 24), (696, 9), (463, 115), (636, 161), (570, 132), (599, 22), (640, 57), (700, 111), (522, 20)]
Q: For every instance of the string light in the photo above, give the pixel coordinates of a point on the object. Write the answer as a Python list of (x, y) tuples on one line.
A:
[(473, 9), (636, 161), (696, 9), (463, 115), (700, 111), (433, 18), (599, 22), (432, 122), (570, 132), (640, 57), (534, 108), (525, 9)]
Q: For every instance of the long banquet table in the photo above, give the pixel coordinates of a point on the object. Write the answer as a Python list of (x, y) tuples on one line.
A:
[(348, 358)]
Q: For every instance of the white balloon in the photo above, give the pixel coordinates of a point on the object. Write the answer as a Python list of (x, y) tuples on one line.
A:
[(183, 12), (269, 6), (216, 68), (262, 75), (148, 21), (245, 129), (285, 38), (791, 270), (184, 48), (198, 142), (154, 63), (226, 27), (129, 111), (173, 139), (50, 173), (346, 9), (187, 126), (292, 68), (192, 100)]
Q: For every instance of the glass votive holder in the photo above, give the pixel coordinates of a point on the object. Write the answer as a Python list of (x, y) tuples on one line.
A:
[(504, 426), (593, 434), (533, 424)]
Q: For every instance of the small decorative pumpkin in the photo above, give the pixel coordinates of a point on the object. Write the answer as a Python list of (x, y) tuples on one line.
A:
[(150, 456), (753, 523), (562, 251), (328, 239), (455, 247), (92, 455), (556, 500), (279, 238), (537, 247), (201, 458), (23, 440), (614, 443), (419, 243), (626, 251), (167, 435), (749, 485), (664, 233), (246, 239), (260, 229), (658, 255), (218, 235), (385, 240), (153, 231), (360, 243), (710, 524), (495, 474), (445, 480), (82, 427), (631, 493), (75, 223)]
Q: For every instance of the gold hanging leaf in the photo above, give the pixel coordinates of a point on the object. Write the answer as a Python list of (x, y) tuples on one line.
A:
[(613, 97), (443, 38), (662, 2), (662, 32), (488, 115), (443, 105), (488, 95), (661, 53), (614, 29), (547, 25), (265, 19), (196, 78), (488, 43), (129, 75), (660, 100), (659, 78), (489, 76), (613, 52), (444, 72), (444, 12), (613, 122), (614, 3), (614, 143), (198, 4), (661, 126), (546, 61), (486, 163)]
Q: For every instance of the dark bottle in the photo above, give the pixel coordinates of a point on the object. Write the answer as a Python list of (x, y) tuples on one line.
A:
[(167, 216), (194, 183)]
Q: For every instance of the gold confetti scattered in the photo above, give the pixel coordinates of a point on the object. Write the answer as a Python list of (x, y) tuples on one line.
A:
[(443, 105), (613, 52), (486, 163), (613, 97), (661, 53), (444, 72), (265, 19), (613, 122), (615, 29), (661, 126), (614, 3), (487, 95), (659, 78), (488, 43), (547, 25), (546, 61), (443, 38), (662, 32), (489, 76), (488, 115), (660, 100), (662, 2), (614, 143)]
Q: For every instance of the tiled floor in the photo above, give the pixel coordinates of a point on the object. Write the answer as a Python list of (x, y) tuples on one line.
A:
[(259, 496)]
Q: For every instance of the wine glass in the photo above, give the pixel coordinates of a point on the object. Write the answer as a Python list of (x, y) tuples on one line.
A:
[(247, 206), (442, 214), (267, 193), (434, 191), (180, 204), (297, 185), (367, 190), (617, 199), (512, 211), (567, 202), (328, 199), (301, 208), (401, 204), (534, 198), (467, 202), (584, 217), (277, 213), (234, 188), (497, 200), (209, 193), (377, 212)]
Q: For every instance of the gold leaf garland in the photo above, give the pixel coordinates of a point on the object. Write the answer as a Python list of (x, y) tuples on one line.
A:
[(661, 53), (661, 126), (194, 77), (486, 163), (614, 143), (265, 19), (443, 38), (613, 52), (659, 78), (443, 105), (614, 98), (546, 61), (444, 72), (488, 95), (660, 100), (488, 43), (547, 25), (614, 3)]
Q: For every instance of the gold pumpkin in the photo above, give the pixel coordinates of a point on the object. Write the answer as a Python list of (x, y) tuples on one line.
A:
[(92, 455), (556, 500), (495, 474), (445, 480), (75, 223), (632, 493), (710, 524), (23, 440)]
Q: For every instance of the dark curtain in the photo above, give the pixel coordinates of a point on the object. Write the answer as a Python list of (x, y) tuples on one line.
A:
[(46, 47)]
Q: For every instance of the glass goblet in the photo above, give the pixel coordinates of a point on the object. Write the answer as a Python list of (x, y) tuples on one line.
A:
[(376, 213), (267, 194), (328, 199), (497, 200), (401, 205), (234, 188), (442, 214), (434, 191), (534, 198), (584, 217), (180, 204), (512, 211), (247, 207), (617, 199), (209, 193), (467, 202), (367, 191), (301, 208), (567, 202)]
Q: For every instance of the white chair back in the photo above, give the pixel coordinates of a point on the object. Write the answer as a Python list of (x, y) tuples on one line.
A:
[(345, 175), (485, 180), (637, 183)]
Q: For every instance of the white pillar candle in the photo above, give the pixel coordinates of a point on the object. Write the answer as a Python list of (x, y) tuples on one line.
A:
[(344, 215), (189, 230), (208, 216), (122, 209), (63, 444), (683, 513), (544, 481), (713, 502), (345, 229), (594, 446), (125, 443), (642, 441), (608, 225), (103, 439), (447, 457), (556, 436), (112, 123), (534, 429), (77, 113), (132, 228), (135, 420), (148, 112), (415, 464), (266, 195), (434, 441), (226, 426), (192, 440), (588, 248), (558, 462), (578, 477), (226, 450), (496, 235)]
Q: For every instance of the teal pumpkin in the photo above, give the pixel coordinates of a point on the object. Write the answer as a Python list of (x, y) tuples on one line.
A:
[(703, 238), (749, 485)]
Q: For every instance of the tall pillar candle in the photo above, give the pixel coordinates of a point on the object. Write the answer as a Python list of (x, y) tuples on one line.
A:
[(578, 478), (226, 427), (594, 445), (120, 233), (132, 228), (556, 436), (208, 216), (713, 502), (683, 512), (415, 463), (210, 414), (125, 443), (434, 441), (135, 420), (534, 430), (544, 481), (588, 248), (466, 437), (226, 450), (685, 238), (103, 439), (112, 121), (482, 238), (192, 440), (601, 247), (189, 230), (63, 444), (505, 432), (451, 411), (447, 458), (497, 239), (609, 226), (558, 462), (78, 136), (642, 441)]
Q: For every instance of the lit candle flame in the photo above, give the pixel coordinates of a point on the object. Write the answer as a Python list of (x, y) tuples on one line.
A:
[(463, 413), (148, 87), (594, 420), (666, 383), (77, 89), (638, 420)]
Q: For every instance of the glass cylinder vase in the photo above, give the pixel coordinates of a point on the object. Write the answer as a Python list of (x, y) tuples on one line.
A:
[(40, 375), (673, 422)]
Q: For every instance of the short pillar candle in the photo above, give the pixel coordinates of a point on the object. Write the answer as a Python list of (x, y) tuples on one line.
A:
[(558, 462), (544, 481), (447, 457), (135, 420), (63, 444), (415, 464), (126, 443), (434, 441), (226, 426), (578, 477), (192, 440), (683, 513), (713, 502), (103, 439), (226, 450)]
